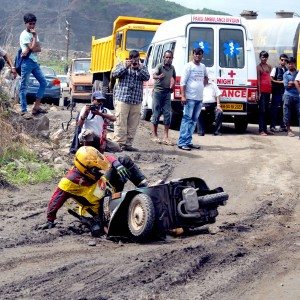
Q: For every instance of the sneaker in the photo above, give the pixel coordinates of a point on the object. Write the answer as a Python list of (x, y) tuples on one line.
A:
[(217, 133), (290, 133), (283, 129), (194, 146), (273, 129), (269, 133), (186, 148)]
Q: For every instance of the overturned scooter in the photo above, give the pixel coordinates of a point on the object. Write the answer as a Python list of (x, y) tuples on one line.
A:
[(150, 212)]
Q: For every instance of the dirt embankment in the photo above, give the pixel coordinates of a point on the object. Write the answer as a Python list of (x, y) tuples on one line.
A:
[(252, 251)]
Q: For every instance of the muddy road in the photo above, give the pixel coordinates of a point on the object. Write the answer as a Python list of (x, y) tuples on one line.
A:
[(251, 252)]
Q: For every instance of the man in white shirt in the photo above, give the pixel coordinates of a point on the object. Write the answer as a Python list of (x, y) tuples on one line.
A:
[(211, 107), (93, 120), (192, 85)]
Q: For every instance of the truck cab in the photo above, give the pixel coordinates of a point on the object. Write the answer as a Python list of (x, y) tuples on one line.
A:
[(80, 80), (128, 33)]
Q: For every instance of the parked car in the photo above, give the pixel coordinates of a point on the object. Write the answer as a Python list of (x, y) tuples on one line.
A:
[(64, 87), (53, 89)]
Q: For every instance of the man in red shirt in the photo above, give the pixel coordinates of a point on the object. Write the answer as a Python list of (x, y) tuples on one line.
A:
[(264, 91)]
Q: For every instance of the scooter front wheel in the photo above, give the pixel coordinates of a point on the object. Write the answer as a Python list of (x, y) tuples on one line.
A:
[(141, 216)]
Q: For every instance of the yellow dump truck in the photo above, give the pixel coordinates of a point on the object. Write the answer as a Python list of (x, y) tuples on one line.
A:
[(129, 33)]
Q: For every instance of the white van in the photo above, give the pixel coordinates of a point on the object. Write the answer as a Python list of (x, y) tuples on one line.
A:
[(228, 55)]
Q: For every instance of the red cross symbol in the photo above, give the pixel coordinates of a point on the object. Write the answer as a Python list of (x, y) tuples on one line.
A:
[(231, 73)]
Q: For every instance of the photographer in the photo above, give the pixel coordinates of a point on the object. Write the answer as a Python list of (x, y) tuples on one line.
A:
[(128, 94), (93, 119)]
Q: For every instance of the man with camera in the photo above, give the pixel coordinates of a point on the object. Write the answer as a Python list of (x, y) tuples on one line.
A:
[(128, 94), (93, 120)]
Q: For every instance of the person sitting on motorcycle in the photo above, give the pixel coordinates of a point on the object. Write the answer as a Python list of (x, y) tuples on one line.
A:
[(93, 176)]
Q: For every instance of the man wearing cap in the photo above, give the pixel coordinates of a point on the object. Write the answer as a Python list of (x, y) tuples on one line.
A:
[(93, 120)]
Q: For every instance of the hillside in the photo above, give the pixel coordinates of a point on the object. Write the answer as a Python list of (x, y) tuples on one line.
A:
[(86, 18)]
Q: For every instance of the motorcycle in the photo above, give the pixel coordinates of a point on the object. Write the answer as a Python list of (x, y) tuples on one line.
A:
[(151, 212)]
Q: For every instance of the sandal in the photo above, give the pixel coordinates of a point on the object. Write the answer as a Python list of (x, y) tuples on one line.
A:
[(38, 111), (168, 143), (156, 140)]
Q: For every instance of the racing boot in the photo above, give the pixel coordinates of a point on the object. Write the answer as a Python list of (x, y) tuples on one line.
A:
[(47, 225)]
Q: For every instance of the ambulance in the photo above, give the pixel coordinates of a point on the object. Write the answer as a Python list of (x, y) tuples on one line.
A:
[(228, 56)]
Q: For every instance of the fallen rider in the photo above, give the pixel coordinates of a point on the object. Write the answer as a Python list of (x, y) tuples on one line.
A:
[(93, 177)]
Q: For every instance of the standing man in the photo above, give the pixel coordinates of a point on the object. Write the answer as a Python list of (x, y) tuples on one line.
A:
[(4, 57), (291, 95), (163, 87), (128, 94), (264, 91), (93, 120), (29, 43), (192, 85), (277, 93), (211, 107)]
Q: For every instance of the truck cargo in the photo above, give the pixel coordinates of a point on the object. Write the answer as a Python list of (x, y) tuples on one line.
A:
[(128, 33), (276, 36)]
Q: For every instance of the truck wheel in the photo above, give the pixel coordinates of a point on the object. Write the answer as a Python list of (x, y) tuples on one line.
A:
[(175, 121), (141, 216), (146, 113), (66, 101), (240, 125), (99, 86)]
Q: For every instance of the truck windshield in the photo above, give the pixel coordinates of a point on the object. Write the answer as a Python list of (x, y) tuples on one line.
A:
[(82, 66), (138, 40)]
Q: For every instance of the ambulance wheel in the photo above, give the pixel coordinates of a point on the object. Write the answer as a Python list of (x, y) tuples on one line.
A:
[(240, 124), (141, 217)]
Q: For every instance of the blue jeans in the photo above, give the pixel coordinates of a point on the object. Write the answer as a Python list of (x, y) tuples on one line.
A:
[(191, 112), (29, 66), (291, 105)]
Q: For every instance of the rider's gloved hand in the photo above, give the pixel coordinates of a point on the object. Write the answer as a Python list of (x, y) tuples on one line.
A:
[(47, 225), (122, 171)]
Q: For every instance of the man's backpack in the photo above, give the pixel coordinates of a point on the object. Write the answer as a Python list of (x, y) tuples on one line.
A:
[(19, 59)]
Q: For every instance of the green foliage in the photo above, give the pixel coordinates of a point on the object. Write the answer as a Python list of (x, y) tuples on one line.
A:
[(20, 166), (57, 65)]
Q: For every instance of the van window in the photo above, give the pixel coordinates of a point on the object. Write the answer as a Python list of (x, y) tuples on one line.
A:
[(203, 38), (149, 53), (231, 54), (157, 56)]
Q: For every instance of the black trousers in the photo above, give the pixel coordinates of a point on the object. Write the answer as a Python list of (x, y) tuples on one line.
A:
[(209, 116)]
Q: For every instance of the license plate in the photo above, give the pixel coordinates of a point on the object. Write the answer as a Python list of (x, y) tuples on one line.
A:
[(231, 106)]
